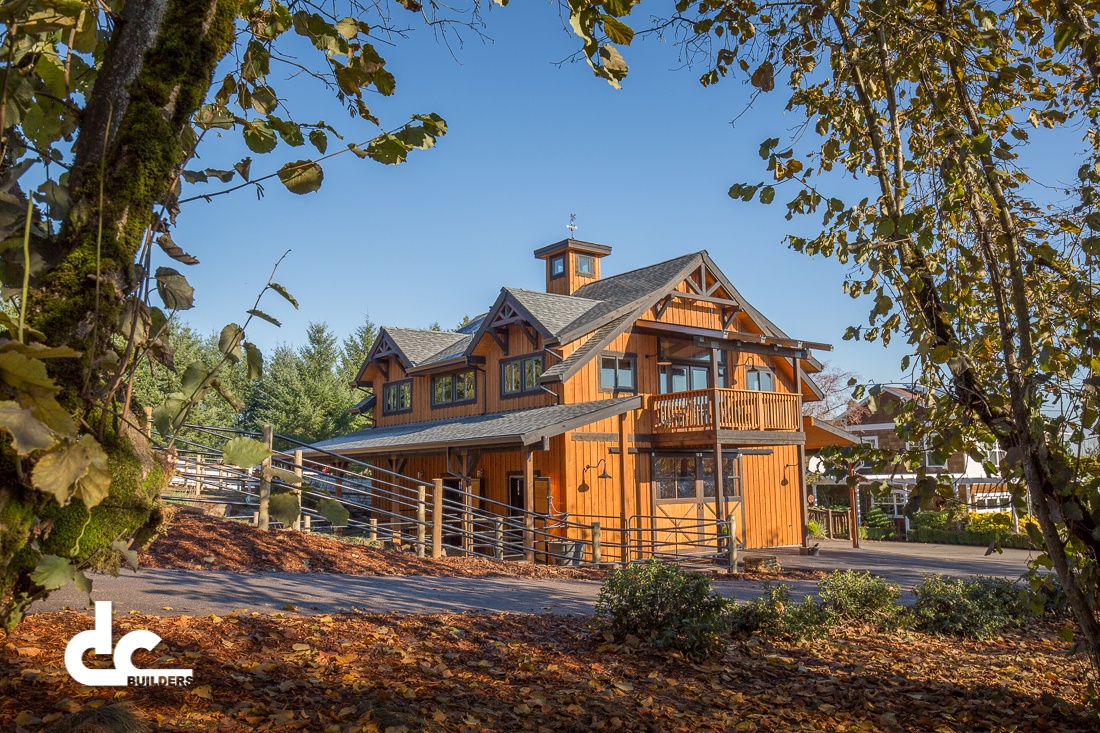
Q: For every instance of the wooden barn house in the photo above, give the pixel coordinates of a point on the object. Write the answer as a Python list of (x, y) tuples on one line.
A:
[(604, 399)]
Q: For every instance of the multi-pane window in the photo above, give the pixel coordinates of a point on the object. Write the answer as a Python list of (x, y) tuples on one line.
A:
[(760, 379), (455, 388), (995, 455), (557, 266), (397, 396), (520, 376), (928, 459), (691, 477), (682, 367), (586, 266), (617, 373)]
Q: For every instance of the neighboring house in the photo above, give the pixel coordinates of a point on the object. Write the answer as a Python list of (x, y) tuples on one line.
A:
[(973, 486), (596, 400)]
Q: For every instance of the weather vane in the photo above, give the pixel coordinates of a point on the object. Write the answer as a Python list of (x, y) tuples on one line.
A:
[(572, 225)]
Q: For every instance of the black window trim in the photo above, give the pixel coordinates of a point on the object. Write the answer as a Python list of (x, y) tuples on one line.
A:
[(523, 392), (699, 497), (453, 403), (632, 357), (550, 264), (396, 384)]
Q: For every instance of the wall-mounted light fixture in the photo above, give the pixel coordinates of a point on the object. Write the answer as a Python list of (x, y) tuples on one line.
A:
[(480, 472), (603, 474), (419, 474)]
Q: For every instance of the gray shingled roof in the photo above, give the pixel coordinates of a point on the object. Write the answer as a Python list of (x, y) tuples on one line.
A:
[(582, 352), (422, 346), (555, 312), (520, 427), (620, 291)]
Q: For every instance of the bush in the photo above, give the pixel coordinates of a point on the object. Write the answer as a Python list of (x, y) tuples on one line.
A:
[(930, 520), (1000, 522), (774, 614), (877, 519), (980, 539), (851, 597), (815, 528), (668, 607), (977, 607)]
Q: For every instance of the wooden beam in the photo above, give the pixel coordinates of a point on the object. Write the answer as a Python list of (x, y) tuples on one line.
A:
[(662, 306), (805, 513), (729, 314), (382, 367), (501, 337), (529, 506), (704, 298)]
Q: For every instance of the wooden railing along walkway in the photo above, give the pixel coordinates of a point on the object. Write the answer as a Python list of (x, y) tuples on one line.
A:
[(737, 409)]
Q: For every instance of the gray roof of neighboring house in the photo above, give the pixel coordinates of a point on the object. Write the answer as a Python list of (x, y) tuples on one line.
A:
[(423, 346), (521, 427)]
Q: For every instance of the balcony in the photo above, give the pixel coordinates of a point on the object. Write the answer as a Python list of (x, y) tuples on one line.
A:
[(737, 409)]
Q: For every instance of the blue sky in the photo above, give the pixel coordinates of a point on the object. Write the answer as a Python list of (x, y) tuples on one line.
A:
[(645, 169)]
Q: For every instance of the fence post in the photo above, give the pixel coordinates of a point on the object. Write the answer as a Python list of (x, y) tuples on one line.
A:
[(731, 524), (437, 518), (498, 538), (373, 529), (298, 488), (149, 423), (309, 524), (200, 473), (467, 515), (597, 551), (421, 530), (265, 479)]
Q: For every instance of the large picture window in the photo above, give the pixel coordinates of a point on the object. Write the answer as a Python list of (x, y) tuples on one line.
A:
[(454, 389), (397, 397), (617, 373), (520, 376), (690, 477)]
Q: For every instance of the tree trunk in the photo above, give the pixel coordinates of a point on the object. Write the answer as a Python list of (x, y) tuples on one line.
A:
[(157, 71)]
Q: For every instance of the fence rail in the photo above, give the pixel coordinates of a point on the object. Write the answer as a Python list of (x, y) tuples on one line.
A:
[(432, 518)]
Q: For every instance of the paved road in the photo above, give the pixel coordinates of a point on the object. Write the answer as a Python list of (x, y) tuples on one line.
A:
[(204, 592)]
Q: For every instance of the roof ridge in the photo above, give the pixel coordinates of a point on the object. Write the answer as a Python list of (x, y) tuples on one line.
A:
[(644, 267)]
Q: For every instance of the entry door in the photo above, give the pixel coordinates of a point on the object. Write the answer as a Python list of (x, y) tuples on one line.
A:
[(514, 532)]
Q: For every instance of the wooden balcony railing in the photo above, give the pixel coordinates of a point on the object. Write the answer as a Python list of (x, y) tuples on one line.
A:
[(737, 409)]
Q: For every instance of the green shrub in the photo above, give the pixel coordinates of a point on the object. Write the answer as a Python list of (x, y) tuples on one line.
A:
[(877, 518), (980, 539), (815, 528), (977, 607), (851, 597), (775, 615), (930, 520), (668, 607)]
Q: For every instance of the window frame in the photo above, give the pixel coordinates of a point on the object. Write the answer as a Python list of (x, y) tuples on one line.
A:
[(525, 390), (577, 259), (731, 483), (926, 459), (552, 262), (761, 369), (396, 386), (619, 356), (454, 401)]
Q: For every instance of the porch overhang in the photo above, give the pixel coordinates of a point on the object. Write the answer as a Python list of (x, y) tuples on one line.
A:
[(821, 434)]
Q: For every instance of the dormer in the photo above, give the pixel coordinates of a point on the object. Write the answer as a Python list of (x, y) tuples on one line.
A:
[(571, 264)]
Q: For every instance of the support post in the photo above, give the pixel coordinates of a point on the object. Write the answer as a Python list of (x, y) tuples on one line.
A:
[(373, 535), (437, 518), (200, 474), (802, 495), (468, 521), (265, 479), (498, 538), (298, 488), (149, 423), (719, 489), (732, 557), (529, 506), (597, 551), (853, 499), (308, 524), (421, 529), (467, 543)]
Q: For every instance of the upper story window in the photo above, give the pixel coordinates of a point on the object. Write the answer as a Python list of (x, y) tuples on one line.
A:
[(521, 375), (927, 458), (557, 266), (454, 389), (995, 454), (397, 397), (617, 373), (682, 366), (760, 379), (586, 266), (869, 440)]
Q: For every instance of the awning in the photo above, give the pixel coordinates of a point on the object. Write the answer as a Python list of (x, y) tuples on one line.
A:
[(821, 434)]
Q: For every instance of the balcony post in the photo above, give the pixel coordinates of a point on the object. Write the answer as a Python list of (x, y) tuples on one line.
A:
[(802, 461), (724, 543)]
